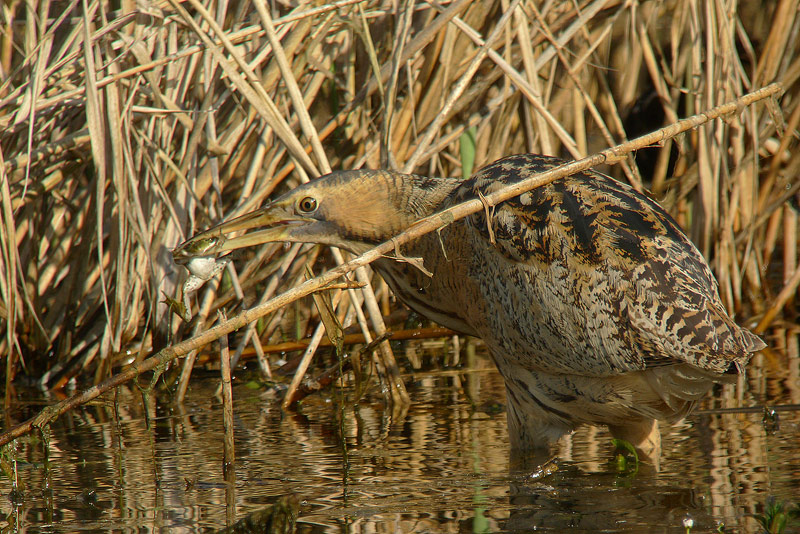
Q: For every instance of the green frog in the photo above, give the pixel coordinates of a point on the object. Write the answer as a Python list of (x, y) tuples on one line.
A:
[(202, 268)]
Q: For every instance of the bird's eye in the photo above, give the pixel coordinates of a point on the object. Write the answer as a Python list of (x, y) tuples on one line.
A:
[(307, 204)]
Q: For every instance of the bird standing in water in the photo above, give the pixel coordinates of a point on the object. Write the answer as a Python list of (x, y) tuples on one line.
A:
[(595, 306)]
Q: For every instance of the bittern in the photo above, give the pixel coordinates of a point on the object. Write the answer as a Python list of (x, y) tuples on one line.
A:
[(595, 306)]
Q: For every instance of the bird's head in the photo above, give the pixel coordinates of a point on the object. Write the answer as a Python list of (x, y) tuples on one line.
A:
[(354, 210)]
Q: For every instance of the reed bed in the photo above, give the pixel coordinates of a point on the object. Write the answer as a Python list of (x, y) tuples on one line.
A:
[(125, 128)]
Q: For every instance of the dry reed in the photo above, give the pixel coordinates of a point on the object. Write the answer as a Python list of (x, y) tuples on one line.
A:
[(124, 131)]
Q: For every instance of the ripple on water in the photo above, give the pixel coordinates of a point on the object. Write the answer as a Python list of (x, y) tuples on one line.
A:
[(444, 466)]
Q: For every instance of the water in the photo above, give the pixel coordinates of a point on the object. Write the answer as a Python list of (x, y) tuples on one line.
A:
[(443, 466)]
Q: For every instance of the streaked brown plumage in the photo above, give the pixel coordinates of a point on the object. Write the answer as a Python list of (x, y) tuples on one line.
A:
[(595, 306)]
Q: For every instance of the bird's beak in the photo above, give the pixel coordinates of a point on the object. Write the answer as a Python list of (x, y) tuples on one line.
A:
[(273, 223)]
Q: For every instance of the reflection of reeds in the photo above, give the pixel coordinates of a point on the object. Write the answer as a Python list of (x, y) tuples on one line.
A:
[(113, 153)]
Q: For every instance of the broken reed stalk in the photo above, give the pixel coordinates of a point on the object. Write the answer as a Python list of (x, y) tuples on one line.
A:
[(421, 227), (305, 362), (229, 454), (332, 373)]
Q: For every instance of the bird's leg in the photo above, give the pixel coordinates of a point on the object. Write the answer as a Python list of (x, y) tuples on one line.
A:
[(644, 435), (531, 428)]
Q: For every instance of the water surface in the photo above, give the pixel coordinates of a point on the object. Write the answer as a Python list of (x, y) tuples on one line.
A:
[(443, 466)]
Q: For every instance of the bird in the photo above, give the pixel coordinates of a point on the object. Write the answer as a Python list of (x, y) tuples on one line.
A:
[(595, 306)]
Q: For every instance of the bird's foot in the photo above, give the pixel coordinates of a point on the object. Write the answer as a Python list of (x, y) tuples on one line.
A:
[(643, 437), (626, 459)]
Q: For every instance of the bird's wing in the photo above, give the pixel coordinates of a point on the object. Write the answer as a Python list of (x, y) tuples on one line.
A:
[(625, 288)]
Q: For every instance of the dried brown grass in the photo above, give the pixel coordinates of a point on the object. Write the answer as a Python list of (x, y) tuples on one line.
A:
[(180, 114)]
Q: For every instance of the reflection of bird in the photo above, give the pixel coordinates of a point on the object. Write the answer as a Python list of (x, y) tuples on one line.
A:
[(594, 305)]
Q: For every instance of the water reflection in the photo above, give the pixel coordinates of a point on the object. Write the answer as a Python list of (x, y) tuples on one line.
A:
[(143, 464)]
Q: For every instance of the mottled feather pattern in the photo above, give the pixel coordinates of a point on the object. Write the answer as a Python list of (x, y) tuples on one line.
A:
[(604, 245)]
